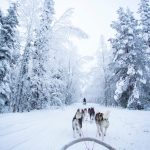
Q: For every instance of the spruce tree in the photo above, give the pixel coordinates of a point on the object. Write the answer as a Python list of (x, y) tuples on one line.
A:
[(23, 93), (129, 61), (144, 11), (42, 56), (144, 22), (7, 48)]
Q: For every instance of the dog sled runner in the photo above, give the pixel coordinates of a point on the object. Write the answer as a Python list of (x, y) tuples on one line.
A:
[(85, 140)]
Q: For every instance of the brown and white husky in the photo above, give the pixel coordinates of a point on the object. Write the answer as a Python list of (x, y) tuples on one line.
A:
[(102, 123)]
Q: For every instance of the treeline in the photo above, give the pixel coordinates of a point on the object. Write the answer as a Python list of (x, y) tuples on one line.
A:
[(37, 58), (128, 74)]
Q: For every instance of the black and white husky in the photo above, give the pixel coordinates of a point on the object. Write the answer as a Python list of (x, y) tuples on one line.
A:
[(77, 123), (102, 123), (91, 112)]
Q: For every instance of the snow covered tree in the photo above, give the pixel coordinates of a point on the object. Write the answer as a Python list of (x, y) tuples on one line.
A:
[(144, 11), (43, 78), (3, 64), (42, 56), (8, 44), (28, 17), (61, 77), (129, 61), (23, 93)]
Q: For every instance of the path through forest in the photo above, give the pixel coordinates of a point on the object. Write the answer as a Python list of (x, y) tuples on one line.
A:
[(51, 129)]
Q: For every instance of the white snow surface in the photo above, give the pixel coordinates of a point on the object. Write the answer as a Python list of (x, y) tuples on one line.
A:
[(52, 129)]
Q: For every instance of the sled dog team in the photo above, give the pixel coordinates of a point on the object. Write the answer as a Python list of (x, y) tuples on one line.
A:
[(101, 120)]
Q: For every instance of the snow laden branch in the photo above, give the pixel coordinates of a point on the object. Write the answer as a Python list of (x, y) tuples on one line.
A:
[(129, 80), (64, 19), (63, 28)]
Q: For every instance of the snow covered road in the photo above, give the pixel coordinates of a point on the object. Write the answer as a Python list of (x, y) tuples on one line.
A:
[(51, 129)]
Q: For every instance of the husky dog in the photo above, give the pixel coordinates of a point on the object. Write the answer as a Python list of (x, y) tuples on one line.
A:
[(102, 123), (85, 114), (77, 123), (82, 111), (91, 112), (92, 115)]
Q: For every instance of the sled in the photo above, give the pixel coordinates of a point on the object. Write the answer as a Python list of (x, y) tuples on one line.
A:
[(87, 139)]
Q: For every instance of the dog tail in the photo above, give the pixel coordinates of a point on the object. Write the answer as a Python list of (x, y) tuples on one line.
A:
[(107, 114)]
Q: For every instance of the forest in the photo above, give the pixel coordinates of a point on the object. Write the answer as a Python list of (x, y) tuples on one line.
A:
[(39, 61)]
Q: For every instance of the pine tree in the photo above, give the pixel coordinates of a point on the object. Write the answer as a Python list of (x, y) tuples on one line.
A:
[(144, 11), (58, 90), (7, 49), (23, 93), (28, 18), (129, 62), (144, 22), (42, 56)]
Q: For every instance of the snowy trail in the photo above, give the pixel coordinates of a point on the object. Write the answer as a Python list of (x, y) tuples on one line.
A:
[(51, 129)]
